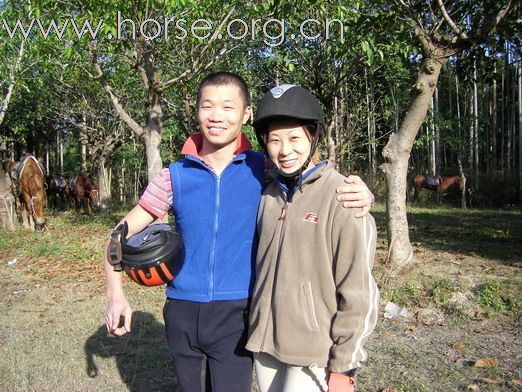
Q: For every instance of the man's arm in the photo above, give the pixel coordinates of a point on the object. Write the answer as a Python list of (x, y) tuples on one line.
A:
[(356, 195), (117, 305)]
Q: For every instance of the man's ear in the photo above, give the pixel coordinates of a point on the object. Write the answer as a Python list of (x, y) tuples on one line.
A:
[(248, 115)]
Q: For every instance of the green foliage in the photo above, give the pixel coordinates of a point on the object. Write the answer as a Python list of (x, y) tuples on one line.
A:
[(494, 296), (407, 295), (442, 291)]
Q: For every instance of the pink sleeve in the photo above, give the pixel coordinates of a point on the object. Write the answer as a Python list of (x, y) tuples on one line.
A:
[(157, 198)]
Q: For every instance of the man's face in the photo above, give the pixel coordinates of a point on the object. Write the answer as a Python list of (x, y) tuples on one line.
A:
[(221, 113)]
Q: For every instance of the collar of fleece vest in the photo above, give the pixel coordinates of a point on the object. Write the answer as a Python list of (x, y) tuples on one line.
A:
[(194, 143)]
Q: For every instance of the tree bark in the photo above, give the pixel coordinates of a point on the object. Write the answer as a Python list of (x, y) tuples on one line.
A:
[(519, 69), (11, 81), (104, 187), (396, 154)]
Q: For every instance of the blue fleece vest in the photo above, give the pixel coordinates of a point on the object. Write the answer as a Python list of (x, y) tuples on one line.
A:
[(217, 217)]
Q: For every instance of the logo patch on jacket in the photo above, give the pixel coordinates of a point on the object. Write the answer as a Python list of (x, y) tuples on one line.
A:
[(311, 217)]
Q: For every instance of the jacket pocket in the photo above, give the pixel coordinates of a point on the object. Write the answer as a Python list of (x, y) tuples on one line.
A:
[(311, 317)]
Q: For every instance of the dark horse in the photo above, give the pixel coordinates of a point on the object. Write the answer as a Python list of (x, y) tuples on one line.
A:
[(28, 188), (439, 184), (58, 192), (84, 192)]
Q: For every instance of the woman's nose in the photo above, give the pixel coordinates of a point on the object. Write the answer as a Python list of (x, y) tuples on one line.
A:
[(285, 148)]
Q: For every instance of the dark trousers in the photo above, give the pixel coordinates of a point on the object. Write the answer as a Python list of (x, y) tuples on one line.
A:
[(207, 345)]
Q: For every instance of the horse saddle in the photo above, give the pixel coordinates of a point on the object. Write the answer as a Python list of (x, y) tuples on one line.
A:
[(72, 182), (433, 181), (17, 170)]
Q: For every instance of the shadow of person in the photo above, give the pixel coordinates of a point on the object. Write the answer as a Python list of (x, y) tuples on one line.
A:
[(141, 356)]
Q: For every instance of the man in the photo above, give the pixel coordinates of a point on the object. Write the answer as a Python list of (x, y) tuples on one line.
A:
[(214, 193)]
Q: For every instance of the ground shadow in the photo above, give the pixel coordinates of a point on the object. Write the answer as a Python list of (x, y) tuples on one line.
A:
[(489, 233), (141, 357)]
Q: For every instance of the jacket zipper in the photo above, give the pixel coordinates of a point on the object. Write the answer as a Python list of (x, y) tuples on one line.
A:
[(284, 211)]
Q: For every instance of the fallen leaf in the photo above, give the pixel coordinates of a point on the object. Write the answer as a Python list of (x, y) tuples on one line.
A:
[(491, 381), (385, 334), (486, 362), (458, 346), (473, 387), (412, 328), (516, 382)]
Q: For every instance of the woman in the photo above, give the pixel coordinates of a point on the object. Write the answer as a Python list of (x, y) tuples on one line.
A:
[(315, 300)]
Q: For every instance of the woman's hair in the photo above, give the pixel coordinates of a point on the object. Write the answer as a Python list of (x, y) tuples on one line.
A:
[(224, 79)]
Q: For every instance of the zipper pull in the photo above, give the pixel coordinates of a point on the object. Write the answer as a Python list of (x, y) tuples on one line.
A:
[(283, 211)]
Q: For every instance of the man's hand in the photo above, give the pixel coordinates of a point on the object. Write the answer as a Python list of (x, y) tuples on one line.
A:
[(338, 382), (117, 309), (356, 195)]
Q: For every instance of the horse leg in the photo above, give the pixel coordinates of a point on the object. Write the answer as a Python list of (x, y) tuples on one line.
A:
[(77, 203), (88, 200), (27, 216), (416, 195)]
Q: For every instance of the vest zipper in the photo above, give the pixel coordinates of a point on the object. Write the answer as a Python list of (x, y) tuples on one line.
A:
[(214, 239)]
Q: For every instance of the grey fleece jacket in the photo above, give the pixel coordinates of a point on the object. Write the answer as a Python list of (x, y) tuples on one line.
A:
[(315, 300)]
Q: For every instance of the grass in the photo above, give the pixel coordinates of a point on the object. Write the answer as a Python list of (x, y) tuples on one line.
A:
[(53, 300)]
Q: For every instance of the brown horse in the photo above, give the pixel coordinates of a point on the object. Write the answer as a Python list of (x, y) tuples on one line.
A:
[(439, 184), (28, 187), (84, 191)]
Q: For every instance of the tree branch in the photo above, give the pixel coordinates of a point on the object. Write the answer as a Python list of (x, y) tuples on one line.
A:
[(195, 68), (447, 18), (133, 125), (140, 55), (11, 80), (493, 21)]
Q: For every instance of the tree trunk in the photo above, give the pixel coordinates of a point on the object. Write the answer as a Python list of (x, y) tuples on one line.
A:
[(11, 81), (331, 142), (475, 127), (431, 140), (519, 69), (494, 119), (104, 188), (396, 154)]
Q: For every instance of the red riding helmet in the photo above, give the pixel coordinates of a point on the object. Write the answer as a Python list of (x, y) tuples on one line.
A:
[(151, 257)]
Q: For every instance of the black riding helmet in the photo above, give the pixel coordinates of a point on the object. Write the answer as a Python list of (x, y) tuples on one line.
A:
[(288, 101), (151, 257)]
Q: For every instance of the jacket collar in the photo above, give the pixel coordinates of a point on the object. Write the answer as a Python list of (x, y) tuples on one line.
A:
[(194, 143), (308, 177)]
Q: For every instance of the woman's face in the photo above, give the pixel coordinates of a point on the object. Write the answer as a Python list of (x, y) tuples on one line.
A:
[(288, 145)]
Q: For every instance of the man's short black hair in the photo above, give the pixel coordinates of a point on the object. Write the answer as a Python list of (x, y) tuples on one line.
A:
[(223, 79)]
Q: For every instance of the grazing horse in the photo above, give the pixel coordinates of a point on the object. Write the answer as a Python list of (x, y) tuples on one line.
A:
[(84, 192), (58, 192), (28, 187), (439, 184)]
